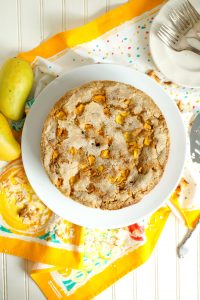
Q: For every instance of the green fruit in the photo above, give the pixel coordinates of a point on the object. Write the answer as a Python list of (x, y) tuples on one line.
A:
[(16, 80), (9, 147)]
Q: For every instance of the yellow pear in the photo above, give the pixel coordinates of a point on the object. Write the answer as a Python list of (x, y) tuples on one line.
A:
[(9, 147), (16, 80)]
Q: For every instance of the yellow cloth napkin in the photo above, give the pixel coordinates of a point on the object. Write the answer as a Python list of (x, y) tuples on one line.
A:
[(83, 262)]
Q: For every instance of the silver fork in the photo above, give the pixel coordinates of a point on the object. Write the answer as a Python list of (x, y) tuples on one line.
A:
[(171, 38), (185, 18)]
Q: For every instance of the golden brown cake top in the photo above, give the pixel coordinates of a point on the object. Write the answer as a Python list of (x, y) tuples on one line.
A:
[(105, 144)]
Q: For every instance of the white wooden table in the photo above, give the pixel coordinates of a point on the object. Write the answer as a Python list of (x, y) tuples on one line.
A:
[(23, 24)]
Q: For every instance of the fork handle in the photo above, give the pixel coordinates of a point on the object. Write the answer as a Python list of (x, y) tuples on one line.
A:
[(192, 49), (184, 246)]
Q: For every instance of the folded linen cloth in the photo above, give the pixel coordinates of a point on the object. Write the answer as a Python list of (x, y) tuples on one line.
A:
[(76, 262)]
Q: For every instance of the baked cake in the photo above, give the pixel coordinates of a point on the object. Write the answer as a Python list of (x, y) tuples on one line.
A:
[(105, 144)]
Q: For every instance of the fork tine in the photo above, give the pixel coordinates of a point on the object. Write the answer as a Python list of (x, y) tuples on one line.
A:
[(188, 11), (170, 37), (180, 21), (188, 3), (170, 32), (165, 40), (167, 29), (191, 12), (175, 21), (184, 20)]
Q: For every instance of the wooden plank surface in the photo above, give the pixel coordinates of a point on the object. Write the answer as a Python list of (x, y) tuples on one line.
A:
[(24, 24)]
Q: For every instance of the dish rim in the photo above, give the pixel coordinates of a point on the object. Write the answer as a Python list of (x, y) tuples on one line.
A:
[(102, 218)]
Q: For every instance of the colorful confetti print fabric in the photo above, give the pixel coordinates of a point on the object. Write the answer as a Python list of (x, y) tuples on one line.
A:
[(84, 261)]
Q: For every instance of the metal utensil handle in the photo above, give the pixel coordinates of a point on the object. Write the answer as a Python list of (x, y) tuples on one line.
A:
[(190, 48), (184, 246)]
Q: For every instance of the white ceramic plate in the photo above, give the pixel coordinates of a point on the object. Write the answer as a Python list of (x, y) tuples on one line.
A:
[(183, 67), (69, 209)]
